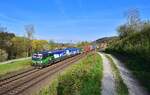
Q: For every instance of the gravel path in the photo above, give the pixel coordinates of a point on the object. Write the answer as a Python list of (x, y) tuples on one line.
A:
[(108, 82), (133, 86)]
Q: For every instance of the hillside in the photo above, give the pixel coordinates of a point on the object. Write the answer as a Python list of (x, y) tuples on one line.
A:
[(105, 39)]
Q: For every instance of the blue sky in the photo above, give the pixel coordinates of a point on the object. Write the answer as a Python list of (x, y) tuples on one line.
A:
[(66, 20)]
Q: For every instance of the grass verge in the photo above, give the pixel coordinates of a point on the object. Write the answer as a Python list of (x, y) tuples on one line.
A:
[(121, 87), (15, 66), (83, 78)]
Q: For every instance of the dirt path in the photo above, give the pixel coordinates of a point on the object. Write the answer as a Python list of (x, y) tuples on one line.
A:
[(133, 86), (108, 82)]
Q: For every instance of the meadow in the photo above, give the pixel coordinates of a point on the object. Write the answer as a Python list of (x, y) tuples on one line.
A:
[(14, 66)]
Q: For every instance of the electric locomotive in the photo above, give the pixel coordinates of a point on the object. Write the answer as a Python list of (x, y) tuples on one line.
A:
[(42, 59)]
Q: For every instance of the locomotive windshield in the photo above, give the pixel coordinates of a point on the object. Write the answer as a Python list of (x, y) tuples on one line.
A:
[(37, 56)]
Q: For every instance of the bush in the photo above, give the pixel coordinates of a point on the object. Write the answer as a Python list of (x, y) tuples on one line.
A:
[(137, 44)]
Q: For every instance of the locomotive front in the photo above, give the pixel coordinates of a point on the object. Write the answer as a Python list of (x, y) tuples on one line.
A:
[(37, 59)]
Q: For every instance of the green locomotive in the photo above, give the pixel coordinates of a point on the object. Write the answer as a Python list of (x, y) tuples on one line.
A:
[(42, 59)]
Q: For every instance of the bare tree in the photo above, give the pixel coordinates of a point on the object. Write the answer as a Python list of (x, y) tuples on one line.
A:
[(30, 32), (133, 16), (133, 19), (133, 24)]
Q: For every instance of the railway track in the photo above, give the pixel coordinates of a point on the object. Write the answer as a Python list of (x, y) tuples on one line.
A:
[(16, 84), (17, 76)]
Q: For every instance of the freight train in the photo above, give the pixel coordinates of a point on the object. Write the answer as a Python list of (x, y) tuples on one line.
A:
[(46, 58)]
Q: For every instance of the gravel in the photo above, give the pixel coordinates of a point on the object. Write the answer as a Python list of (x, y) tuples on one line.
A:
[(108, 82)]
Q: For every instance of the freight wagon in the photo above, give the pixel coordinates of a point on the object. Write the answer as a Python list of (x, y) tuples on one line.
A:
[(87, 48)]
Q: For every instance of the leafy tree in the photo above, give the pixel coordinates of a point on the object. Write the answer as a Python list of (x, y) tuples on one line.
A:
[(39, 45), (20, 46), (5, 40), (125, 30), (3, 56), (146, 26), (52, 44)]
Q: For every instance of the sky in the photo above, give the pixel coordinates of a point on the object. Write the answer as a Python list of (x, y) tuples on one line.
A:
[(69, 20)]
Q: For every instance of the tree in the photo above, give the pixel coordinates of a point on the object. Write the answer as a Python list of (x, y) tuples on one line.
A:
[(5, 37), (125, 30), (30, 32), (39, 45), (5, 41), (132, 25), (20, 45), (52, 44), (146, 26), (3, 56), (133, 17)]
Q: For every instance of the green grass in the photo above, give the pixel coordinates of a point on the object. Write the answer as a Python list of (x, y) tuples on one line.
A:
[(11, 67), (83, 78), (121, 87)]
